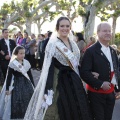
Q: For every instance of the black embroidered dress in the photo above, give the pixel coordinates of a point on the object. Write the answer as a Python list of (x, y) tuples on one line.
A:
[(21, 93), (70, 100)]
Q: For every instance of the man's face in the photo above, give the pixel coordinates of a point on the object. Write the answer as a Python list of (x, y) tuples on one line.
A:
[(5, 34), (104, 33)]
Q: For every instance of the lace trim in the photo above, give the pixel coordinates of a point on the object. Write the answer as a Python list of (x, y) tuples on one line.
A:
[(59, 56)]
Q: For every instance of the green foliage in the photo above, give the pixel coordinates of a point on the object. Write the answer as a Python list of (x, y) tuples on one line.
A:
[(46, 8), (81, 11), (104, 13), (86, 2), (116, 13), (28, 6), (28, 14), (117, 39), (21, 20), (13, 6), (98, 4), (5, 9), (64, 4), (74, 3), (52, 15)]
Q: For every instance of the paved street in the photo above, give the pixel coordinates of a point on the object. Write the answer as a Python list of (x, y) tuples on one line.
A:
[(116, 113)]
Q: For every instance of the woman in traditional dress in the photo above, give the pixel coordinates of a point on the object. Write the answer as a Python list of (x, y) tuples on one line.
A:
[(60, 94), (18, 87)]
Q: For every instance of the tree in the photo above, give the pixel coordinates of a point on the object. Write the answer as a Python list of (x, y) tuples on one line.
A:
[(29, 10), (68, 8), (48, 15), (105, 15), (8, 14), (19, 23), (88, 10)]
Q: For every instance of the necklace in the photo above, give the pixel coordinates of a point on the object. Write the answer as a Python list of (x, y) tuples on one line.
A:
[(65, 44)]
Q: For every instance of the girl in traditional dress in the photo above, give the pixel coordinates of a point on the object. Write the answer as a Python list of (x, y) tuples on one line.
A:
[(60, 94), (18, 87)]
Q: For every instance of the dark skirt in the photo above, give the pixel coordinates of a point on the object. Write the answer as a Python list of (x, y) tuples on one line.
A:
[(72, 100), (21, 96)]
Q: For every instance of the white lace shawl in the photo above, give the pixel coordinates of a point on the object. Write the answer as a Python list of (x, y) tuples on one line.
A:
[(35, 110)]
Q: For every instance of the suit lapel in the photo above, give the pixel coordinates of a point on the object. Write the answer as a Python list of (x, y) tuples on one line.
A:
[(4, 43), (113, 55), (10, 45), (100, 52)]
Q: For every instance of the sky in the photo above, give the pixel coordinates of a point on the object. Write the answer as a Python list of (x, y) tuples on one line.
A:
[(76, 26)]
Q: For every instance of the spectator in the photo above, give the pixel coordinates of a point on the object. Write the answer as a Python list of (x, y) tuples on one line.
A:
[(24, 39)]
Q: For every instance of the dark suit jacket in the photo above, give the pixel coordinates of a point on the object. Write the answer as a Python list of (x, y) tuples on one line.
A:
[(4, 48), (45, 44), (94, 60), (40, 53)]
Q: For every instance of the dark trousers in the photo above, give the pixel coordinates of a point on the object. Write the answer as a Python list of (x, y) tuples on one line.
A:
[(31, 59), (1, 77), (4, 67), (102, 105)]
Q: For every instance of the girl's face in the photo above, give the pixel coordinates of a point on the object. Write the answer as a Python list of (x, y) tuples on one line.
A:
[(64, 28), (21, 54)]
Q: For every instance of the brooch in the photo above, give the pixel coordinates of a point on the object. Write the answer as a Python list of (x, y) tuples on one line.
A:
[(65, 50), (20, 66)]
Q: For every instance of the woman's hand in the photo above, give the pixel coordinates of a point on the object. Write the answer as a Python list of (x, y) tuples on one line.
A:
[(96, 75)]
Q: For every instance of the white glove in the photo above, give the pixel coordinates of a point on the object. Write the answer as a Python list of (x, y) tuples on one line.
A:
[(49, 97)]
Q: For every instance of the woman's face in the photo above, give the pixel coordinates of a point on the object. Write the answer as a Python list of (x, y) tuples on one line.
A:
[(64, 28)]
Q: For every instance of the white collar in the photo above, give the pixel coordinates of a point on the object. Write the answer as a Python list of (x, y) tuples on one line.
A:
[(104, 47), (6, 40)]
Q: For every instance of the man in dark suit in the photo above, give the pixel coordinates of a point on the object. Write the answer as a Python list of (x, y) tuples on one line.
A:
[(6, 48), (103, 89)]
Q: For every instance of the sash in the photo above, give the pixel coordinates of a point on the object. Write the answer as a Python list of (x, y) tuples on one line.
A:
[(70, 57), (21, 68)]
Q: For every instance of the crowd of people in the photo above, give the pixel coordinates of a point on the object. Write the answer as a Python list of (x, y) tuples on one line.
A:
[(64, 60)]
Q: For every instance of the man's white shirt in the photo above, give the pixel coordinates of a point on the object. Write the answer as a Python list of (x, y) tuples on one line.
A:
[(8, 45), (106, 51)]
